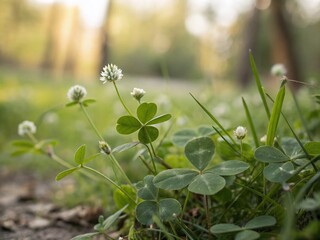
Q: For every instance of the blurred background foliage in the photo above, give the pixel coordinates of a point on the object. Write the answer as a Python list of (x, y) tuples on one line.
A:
[(167, 47)]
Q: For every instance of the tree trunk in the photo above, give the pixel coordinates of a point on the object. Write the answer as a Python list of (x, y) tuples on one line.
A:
[(283, 44), (251, 33)]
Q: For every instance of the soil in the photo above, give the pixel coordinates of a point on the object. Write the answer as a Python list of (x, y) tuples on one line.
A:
[(28, 213)]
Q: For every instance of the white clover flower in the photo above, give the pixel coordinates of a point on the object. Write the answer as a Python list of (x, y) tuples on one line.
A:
[(278, 70), (76, 93), (240, 132), (26, 127), (138, 93), (111, 73), (263, 139)]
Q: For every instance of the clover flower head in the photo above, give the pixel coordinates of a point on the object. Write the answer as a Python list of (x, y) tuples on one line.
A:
[(26, 127), (263, 139), (111, 73), (240, 132), (138, 93), (278, 70), (76, 93), (104, 147)]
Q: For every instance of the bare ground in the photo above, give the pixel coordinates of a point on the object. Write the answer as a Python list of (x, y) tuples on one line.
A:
[(27, 212)]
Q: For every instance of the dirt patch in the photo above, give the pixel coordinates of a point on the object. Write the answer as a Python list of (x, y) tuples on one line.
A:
[(27, 212)]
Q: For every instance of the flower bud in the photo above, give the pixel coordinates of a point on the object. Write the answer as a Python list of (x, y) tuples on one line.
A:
[(76, 93), (278, 70), (240, 132), (104, 147), (111, 73), (26, 127), (138, 93)]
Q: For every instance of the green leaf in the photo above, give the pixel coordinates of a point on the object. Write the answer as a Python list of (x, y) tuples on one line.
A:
[(226, 150), (80, 154), (278, 172), (121, 200), (86, 236), (91, 158), (145, 210), (168, 207), (313, 148), (146, 189), (205, 131), (207, 184), (310, 204), (229, 168), (259, 85), (127, 125), (146, 111), (114, 217), (275, 115), (65, 173), (71, 104), (20, 152), (148, 134), (247, 235), (174, 179), (224, 228), (200, 152), (159, 119), (46, 142), (125, 147), (181, 137), (270, 154), (23, 144), (261, 221), (87, 102)]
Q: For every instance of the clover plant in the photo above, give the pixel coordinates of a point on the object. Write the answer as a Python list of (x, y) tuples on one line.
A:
[(229, 184)]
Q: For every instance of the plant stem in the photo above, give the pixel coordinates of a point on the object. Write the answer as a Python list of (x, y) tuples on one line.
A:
[(206, 205), (114, 160), (90, 121), (116, 163), (110, 181), (152, 159), (121, 100), (185, 202)]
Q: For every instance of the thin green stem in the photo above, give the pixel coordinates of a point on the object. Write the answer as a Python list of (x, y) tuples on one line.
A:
[(110, 181), (146, 164), (114, 160), (185, 202), (116, 163), (206, 205), (152, 159), (121, 100), (90, 121), (32, 138)]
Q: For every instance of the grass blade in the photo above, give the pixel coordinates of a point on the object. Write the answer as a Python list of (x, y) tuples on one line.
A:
[(259, 85), (249, 118), (214, 119), (275, 115)]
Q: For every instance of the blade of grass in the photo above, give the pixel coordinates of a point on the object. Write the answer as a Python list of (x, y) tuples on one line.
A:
[(295, 136), (275, 115), (259, 85), (249, 118), (213, 119)]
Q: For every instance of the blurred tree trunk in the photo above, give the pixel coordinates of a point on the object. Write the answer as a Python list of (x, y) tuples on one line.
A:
[(72, 50), (251, 33), (50, 52), (104, 48), (283, 45)]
